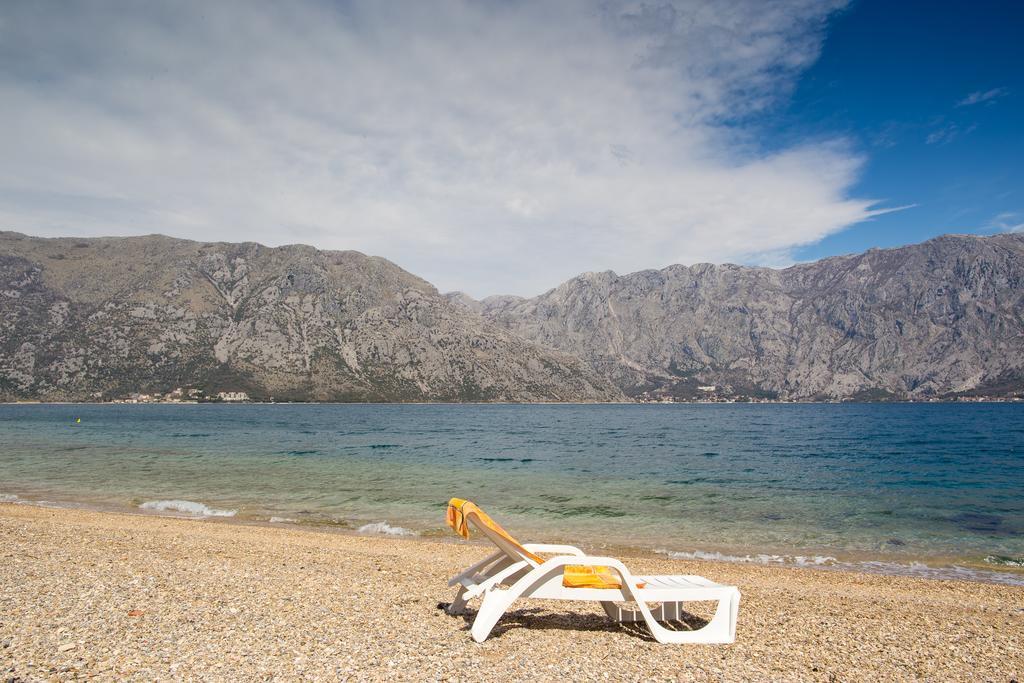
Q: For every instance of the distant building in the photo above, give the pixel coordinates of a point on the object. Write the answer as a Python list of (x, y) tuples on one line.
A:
[(233, 396), (709, 387)]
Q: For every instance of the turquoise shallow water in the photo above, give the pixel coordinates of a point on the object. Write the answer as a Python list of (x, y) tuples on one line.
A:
[(892, 484)]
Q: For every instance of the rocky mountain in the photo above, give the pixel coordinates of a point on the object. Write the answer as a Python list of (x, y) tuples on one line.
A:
[(98, 318), (941, 318)]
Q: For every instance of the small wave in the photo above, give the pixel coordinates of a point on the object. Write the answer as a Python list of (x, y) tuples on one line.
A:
[(655, 497), (186, 506), (589, 511), (383, 445), (308, 452), (923, 571), (386, 529), (796, 560), (555, 499), (523, 460), (912, 569), (1005, 561), (53, 504), (283, 520)]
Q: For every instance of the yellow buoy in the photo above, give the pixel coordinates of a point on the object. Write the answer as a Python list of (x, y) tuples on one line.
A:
[(77, 420)]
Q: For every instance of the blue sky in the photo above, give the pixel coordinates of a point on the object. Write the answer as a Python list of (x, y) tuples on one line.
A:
[(933, 94), (504, 147)]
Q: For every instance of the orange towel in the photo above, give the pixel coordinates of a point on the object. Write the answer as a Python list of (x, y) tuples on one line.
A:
[(458, 519), (574, 575)]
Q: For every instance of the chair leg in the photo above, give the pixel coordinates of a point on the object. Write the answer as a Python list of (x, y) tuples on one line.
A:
[(494, 604), (616, 613), (721, 628), (666, 611), (458, 605), (734, 615)]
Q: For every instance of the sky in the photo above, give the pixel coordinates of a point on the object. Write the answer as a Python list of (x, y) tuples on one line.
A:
[(504, 147)]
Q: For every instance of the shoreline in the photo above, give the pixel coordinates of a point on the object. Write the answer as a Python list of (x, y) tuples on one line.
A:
[(144, 597), (895, 401), (938, 567)]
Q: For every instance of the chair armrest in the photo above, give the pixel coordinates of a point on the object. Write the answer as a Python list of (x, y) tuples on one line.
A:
[(592, 560), (491, 581), (588, 560), (550, 548), (470, 571)]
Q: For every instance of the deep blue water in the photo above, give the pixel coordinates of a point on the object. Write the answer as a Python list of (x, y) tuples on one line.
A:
[(932, 482)]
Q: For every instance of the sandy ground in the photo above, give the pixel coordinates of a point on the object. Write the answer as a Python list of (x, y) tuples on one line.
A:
[(129, 597)]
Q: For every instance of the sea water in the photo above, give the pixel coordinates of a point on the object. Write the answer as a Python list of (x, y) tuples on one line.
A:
[(930, 489)]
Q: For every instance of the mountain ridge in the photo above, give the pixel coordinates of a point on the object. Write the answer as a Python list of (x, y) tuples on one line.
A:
[(745, 329), (459, 294), (98, 318), (94, 318)]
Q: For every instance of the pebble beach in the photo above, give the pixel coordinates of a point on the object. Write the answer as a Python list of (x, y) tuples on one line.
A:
[(115, 596)]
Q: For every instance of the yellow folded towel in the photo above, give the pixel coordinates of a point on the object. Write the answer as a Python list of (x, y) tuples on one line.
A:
[(574, 575), (586, 576)]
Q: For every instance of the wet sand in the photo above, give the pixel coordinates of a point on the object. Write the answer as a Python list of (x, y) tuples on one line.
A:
[(109, 596)]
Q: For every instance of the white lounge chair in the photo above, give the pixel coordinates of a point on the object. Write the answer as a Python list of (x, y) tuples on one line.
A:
[(516, 571)]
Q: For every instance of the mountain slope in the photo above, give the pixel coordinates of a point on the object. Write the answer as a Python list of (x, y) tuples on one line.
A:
[(92, 318), (933, 319)]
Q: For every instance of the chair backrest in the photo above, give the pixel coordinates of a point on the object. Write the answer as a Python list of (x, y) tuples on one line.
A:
[(492, 530), (501, 538)]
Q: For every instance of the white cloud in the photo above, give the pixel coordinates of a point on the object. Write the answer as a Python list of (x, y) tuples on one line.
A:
[(980, 96), (491, 147), (1007, 222), (942, 135)]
